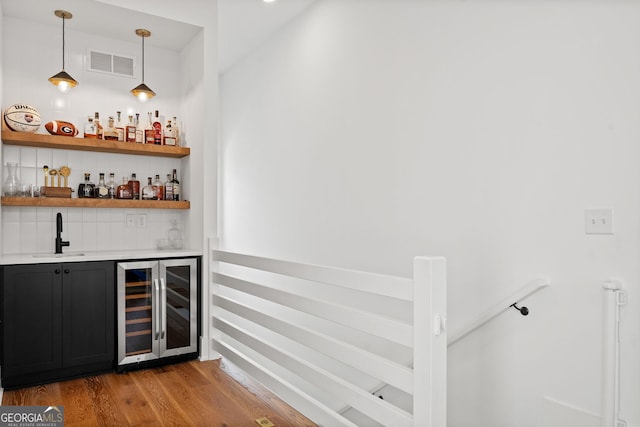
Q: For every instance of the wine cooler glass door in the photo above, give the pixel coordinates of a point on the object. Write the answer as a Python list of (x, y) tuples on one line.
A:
[(138, 318), (178, 285)]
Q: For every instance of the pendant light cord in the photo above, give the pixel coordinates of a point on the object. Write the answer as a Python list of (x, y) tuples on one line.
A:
[(63, 19), (142, 59)]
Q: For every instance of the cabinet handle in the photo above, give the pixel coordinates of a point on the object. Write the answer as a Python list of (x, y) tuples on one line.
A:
[(156, 307), (66, 271), (163, 307), (57, 271)]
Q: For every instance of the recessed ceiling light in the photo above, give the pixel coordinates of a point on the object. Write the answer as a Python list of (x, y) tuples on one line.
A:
[(268, 1)]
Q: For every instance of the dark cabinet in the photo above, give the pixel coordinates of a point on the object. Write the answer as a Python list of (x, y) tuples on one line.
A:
[(57, 321)]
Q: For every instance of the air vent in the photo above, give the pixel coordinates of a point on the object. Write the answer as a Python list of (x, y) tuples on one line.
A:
[(110, 63)]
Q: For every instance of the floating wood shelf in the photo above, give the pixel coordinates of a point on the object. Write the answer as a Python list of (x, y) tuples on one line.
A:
[(94, 203), (28, 139)]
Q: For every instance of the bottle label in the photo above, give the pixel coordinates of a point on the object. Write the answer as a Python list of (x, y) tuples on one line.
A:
[(169, 140), (149, 136), (131, 134)]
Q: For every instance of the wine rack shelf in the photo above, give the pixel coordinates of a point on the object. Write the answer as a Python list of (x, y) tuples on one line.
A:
[(27, 139), (94, 203)]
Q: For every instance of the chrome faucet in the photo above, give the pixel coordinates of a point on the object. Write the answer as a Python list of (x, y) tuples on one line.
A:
[(59, 242)]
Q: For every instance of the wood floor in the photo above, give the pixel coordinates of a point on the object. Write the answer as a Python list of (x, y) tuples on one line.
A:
[(199, 394)]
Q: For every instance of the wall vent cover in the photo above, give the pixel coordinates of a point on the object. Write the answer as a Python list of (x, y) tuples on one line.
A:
[(110, 63)]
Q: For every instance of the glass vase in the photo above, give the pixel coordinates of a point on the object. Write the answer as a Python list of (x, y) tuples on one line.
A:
[(11, 185)]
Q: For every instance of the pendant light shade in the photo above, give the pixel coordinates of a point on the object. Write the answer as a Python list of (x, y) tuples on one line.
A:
[(142, 91), (63, 80)]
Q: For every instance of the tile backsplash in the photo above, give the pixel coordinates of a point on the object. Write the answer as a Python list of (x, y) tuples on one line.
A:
[(31, 229)]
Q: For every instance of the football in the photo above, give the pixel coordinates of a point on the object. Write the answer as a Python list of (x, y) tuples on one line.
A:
[(59, 127), (22, 118)]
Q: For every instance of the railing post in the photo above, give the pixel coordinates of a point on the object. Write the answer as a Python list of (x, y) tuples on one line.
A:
[(429, 342), (209, 333)]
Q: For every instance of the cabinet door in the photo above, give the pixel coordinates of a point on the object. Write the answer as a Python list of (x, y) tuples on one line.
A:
[(138, 323), (179, 306), (88, 295), (32, 320)]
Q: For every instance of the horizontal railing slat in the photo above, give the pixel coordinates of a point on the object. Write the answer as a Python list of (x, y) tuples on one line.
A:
[(376, 366), (390, 329), (391, 286), (306, 404), (359, 399)]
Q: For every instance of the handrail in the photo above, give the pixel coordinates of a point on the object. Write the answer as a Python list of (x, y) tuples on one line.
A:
[(500, 307)]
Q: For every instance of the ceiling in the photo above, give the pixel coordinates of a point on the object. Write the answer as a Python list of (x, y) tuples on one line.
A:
[(104, 20), (243, 24)]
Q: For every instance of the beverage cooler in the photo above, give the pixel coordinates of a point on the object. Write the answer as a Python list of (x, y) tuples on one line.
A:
[(157, 305)]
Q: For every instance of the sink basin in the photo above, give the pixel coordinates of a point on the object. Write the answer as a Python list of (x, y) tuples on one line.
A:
[(63, 255)]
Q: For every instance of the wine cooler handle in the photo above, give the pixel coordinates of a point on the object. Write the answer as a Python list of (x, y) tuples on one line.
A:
[(157, 307), (163, 305)]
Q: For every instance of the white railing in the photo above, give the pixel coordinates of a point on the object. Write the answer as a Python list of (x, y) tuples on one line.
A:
[(322, 337)]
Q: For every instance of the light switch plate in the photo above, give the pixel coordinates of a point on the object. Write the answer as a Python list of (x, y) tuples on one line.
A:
[(598, 221)]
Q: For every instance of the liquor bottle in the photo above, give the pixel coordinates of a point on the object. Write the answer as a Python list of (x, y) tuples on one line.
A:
[(176, 131), (110, 132), (90, 128), (99, 128), (147, 191), (149, 132), (135, 186), (120, 127), (130, 130), (101, 191), (85, 189), (157, 128), (176, 186), (168, 188), (111, 185), (158, 188), (169, 134), (139, 130), (124, 190)]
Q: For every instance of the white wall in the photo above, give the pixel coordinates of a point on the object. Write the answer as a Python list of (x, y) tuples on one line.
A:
[(365, 133)]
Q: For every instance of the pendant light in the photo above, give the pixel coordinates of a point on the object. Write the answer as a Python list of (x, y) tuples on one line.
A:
[(142, 91), (63, 80)]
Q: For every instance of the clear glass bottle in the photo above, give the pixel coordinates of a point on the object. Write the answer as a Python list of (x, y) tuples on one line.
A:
[(158, 188), (130, 130), (90, 128), (111, 185), (86, 188), (12, 183), (176, 186), (110, 132), (101, 190), (174, 235), (119, 127), (149, 132), (99, 128), (124, 190), (168, 188), (139, 130), (169, 134), (148, 192), (176, 131), (135, 187)]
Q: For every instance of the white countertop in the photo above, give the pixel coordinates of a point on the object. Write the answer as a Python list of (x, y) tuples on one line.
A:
[(72, 256)]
